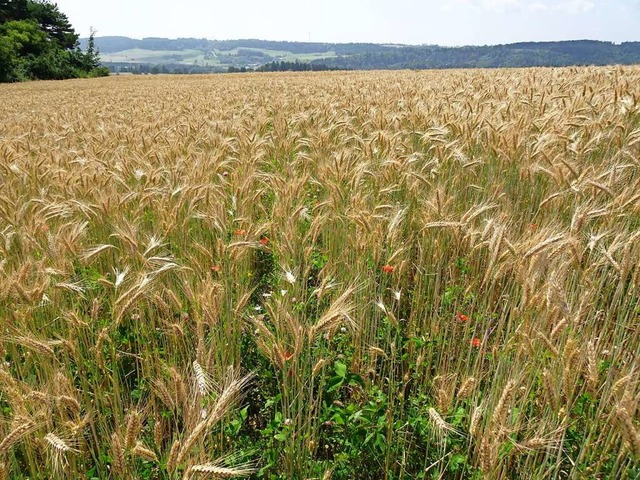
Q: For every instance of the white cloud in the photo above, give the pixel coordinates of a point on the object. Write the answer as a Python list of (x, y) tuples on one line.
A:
[(575, 6), (501, 5), (534, 6), (486, 5), (537, 7)]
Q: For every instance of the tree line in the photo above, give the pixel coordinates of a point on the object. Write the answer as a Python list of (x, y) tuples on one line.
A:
[(531, 54), (37, 42), (112, 44), (296, 66), (250, 55)]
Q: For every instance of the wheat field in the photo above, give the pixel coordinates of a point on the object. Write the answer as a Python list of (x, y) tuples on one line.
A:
[(362, 275)]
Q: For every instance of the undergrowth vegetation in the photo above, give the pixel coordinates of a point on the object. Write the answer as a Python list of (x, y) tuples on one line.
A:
[(380, 275)]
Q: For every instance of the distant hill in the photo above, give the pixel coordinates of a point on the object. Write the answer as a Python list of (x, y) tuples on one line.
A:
[(192, 55)]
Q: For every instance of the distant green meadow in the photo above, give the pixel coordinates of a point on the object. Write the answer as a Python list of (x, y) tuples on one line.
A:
[(215, 58)]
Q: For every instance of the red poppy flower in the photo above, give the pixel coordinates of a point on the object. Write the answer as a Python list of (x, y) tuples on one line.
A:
[(264, 241), (476, 342), (216, 268), (387, 268), (240, 232), (462, 317)]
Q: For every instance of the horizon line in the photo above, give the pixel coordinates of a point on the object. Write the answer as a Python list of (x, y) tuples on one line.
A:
[(365, 43)]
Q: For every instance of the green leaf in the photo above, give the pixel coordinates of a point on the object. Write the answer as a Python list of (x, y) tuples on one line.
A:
[(505, 449), (369, 437), (458, 461), (334, 383), (355, 379), (458, 417), (272, 401)]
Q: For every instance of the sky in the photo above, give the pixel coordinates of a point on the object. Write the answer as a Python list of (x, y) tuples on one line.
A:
[(433, 22)]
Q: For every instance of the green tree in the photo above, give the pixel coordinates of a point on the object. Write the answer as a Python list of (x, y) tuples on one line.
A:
[(54, 22), (37, 41), (25, 36), (7, 59), (13, 10), (92, 55)]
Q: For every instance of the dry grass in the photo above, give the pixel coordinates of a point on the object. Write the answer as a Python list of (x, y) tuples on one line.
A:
[(466, 242)]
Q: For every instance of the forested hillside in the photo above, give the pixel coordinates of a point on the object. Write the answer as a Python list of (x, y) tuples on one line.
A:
[(532, 54), (191, 55)]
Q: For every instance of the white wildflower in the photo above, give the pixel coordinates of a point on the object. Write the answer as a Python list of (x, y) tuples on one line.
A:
[(120, 276), (289, 277)]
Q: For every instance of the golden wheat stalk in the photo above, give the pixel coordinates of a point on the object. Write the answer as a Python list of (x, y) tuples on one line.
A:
[(221, 468), (17, 434), (340, 312), (230, 395), (442, 427), (134, 425), (144, 452), (630, 433)]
